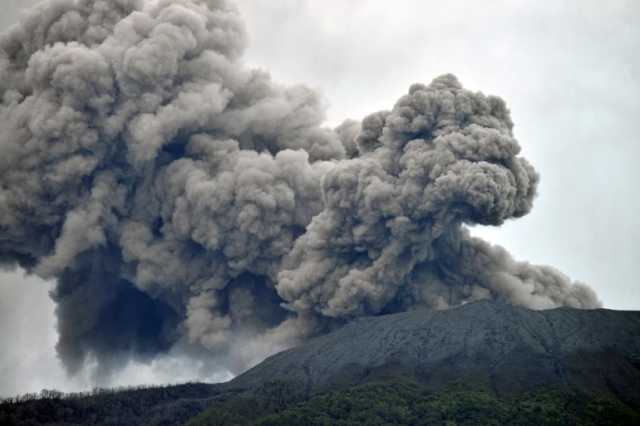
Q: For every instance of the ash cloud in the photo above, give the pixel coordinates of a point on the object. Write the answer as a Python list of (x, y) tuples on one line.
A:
[(184, 201)]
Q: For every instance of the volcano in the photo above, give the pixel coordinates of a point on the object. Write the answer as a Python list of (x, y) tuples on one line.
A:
[(478, 363), (508, 348)]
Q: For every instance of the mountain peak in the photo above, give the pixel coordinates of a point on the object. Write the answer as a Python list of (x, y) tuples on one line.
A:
[(506, 347)]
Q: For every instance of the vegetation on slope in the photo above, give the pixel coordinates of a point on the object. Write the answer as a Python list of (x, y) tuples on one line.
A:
[(393, 402), (161, 405), (408, 403)]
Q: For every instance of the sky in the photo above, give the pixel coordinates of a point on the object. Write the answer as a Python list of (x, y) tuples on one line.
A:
[(569, 71)]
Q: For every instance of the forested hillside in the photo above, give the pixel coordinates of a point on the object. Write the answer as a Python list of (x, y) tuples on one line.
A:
[(392, 402), (164, 405), (404, 402)]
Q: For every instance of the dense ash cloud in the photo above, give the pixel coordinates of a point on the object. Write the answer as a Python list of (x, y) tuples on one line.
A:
[(181, 200)]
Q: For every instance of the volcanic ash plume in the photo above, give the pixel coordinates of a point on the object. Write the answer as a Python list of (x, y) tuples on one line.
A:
[(182, 200)]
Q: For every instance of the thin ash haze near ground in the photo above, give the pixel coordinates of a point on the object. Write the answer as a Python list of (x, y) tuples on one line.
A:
[(186, 204)]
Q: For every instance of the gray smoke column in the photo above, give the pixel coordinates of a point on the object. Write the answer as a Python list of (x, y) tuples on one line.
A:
[(183, 201)]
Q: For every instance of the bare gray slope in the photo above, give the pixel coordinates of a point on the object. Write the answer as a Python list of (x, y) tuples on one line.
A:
[(508, 348)]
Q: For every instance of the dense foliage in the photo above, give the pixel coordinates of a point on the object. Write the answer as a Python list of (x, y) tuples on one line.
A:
[(408, 403), (164, 405), (396, 402)]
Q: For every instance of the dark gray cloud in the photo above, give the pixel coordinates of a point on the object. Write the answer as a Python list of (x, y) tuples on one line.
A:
[(28, 362), (184, 202)]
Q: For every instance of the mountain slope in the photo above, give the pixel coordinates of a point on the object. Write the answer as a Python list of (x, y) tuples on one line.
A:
[(481, 363), (508, 348)]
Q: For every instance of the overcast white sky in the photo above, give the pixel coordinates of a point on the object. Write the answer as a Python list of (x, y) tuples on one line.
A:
[(569, 70)]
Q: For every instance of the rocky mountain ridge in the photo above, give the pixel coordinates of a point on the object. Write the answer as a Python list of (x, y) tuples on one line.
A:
[(509, 348)]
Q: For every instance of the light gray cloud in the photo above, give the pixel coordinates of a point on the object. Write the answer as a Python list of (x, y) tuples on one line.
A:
[(568, 70)]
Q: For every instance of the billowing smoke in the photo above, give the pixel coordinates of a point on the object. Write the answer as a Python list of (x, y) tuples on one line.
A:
[(181, 200)]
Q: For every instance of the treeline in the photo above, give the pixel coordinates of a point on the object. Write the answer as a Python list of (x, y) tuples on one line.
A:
[(140, 405), (56, 394)]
